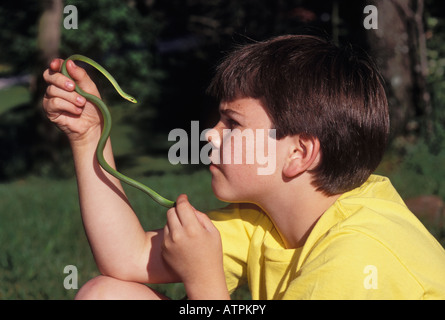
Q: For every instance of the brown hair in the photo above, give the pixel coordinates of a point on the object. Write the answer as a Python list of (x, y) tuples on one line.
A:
[(311, 87)]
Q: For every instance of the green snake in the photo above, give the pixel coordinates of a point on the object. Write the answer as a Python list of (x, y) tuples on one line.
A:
[(107, 128)]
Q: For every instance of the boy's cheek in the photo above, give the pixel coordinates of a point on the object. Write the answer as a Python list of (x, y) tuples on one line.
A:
[(231, 183), (221, 185), (237, 147)]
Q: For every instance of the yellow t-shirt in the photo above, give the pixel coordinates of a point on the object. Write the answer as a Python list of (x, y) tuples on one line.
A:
[(367, 245)]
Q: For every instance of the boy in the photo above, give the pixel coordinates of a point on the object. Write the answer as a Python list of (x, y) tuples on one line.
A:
[(320, 226)]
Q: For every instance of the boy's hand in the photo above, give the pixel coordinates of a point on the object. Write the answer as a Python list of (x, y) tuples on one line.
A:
[(70, 111), (192, 247)]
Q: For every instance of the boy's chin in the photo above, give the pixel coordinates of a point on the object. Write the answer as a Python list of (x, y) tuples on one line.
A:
[(220, 195), (226, 196)]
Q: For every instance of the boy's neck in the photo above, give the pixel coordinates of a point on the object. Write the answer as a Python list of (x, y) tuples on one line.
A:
[(295, 211)]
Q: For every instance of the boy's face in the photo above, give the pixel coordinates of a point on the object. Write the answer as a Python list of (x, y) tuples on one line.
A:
[(244, 152)]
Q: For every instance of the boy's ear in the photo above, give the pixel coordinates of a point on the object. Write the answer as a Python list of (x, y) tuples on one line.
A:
[(303, 154)]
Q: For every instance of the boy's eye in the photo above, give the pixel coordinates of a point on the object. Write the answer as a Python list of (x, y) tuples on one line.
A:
[(232, 123)]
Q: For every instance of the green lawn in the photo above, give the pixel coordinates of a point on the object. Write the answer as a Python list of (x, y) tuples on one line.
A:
[(40, 227), (41, 231), (13, 96)]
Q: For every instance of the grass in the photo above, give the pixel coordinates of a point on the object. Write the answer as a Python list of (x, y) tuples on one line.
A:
[(39, 235), (41, 232), (13, 96)]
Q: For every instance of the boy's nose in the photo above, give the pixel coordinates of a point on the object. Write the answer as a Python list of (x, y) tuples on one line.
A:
[(213, 136)]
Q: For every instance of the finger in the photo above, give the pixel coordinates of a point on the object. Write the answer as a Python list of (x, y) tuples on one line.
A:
[(166, 231), (73, 97), (76, 72), (204, 220), (56, 65), (185, 210), (59, 80), (81, 77), (166, 238), (173, 222), (56, 106)]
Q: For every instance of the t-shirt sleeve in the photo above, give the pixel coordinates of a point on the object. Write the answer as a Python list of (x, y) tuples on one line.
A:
[(235, 223), (353, 265)]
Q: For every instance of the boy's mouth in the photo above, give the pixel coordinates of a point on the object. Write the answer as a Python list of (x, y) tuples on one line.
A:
[(213, 167)]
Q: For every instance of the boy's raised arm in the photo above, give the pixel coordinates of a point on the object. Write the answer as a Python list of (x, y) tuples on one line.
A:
[(121, 248)]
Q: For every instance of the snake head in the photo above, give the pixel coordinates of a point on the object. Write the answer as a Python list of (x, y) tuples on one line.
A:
[(133, 100)]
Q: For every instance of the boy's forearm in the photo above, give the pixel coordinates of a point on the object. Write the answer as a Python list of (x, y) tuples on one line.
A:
[(115, 234)]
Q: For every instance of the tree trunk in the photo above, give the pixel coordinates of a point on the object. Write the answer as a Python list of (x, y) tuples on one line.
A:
[(399, 46), (48, 42)]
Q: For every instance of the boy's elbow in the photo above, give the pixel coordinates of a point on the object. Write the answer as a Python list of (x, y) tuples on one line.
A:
[(123, 271)]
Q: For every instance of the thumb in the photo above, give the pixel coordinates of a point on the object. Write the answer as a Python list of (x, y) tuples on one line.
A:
[(77, 73), (81, 77)]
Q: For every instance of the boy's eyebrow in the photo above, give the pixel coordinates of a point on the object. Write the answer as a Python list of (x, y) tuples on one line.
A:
[(228, 112)]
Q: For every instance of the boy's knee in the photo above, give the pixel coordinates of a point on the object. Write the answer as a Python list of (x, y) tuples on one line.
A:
[(98, 288), (108, 288)]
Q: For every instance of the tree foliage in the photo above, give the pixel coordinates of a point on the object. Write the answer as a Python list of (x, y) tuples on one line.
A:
[(164, 52), (18, 35), (121, 36)]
